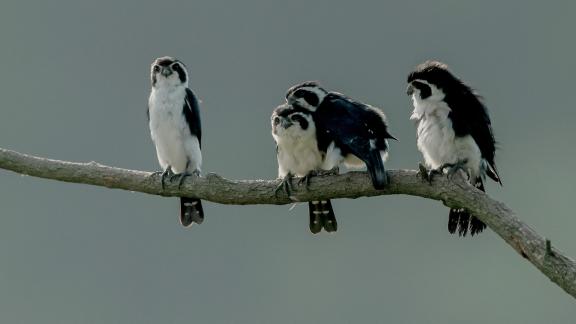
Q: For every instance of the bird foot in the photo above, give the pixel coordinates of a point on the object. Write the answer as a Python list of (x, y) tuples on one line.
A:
[(306, 179), (334, 171), (317, 173), (285, 185), (453, 168), (164, 174), (181, 176), (428, 175)]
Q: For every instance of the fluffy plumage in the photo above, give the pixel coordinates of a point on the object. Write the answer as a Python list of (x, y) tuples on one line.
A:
[(300, 154), (453, 129), (352, 131), (174, 120)]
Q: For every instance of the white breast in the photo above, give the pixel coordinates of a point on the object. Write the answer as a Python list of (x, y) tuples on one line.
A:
[(175, 146), (298, 152), (437, 141)]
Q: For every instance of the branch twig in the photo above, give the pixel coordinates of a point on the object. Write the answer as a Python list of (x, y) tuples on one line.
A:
[(457, 193)]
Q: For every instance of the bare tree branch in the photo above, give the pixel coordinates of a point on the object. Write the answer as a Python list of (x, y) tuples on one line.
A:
[(453, 193)]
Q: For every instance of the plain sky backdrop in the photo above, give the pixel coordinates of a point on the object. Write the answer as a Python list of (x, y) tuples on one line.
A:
[(74, 83)]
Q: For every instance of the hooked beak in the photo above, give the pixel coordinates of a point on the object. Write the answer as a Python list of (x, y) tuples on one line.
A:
[(166, 71), (410, 89), (285, 123), (280, 122)]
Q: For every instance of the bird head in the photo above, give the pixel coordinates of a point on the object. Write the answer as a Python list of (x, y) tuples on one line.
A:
[(293, 123), (430, 81), (307, 95), (168, 71)]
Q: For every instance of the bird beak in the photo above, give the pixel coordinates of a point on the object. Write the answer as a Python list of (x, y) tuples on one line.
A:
[(166, 71), (285, 123), (410, 89)]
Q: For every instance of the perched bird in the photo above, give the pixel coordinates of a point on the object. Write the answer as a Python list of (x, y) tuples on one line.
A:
[(174, 120), (356, 133), (301, 154), (454, 132)]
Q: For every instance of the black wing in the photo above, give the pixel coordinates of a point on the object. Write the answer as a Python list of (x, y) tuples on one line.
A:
[(192, 114), (356, 129), (470, 117)]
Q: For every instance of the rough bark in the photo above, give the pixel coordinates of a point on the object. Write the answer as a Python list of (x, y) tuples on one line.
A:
[(453, 193)]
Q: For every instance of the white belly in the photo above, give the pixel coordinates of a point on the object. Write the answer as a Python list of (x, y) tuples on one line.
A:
[(439, 144), (298, 157), (175, 146)]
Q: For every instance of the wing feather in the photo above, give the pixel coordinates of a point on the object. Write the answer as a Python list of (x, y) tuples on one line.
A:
[(470, 116), (191, 112)]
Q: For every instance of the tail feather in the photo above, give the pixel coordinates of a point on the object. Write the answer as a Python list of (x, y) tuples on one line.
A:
[(191, 211), (463, 222), (492, 173), (322, 216), (476, 226), (453, 220), (330, 224), (460, 219), (376, 169)]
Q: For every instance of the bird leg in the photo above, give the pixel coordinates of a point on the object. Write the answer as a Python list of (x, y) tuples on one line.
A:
[(334, 171), (183, 175), (286, 185), (428, 175), (306, 178), (315, 173), (164, 174), (453, 168)]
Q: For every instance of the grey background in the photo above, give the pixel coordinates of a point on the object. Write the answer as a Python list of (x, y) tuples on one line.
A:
[(74, 85)]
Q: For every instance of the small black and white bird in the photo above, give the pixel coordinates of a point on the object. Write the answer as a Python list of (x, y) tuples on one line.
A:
[(174, 120), (301, 154), (356, 133), (454, 132)]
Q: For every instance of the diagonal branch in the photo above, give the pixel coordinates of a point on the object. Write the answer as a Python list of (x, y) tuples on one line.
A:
[(456, 193)]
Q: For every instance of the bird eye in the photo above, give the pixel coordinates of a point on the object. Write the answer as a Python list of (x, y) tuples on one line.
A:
[(156, 68), (276, 120), (294, 117), (174, 66)]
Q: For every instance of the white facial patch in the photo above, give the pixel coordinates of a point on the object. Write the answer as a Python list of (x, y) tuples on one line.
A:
[(428, 104), (170, 81)]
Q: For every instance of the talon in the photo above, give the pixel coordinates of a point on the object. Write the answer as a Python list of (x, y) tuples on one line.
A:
[(428, 175), (180, 177), (424, 172), (285, 184), (455, 167), (334, 171), (163, 174), (306, 178)]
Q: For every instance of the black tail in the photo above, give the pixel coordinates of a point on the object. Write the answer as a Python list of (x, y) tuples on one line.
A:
[(322, 216), (191, 211), (461, 220), (376, 169)]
